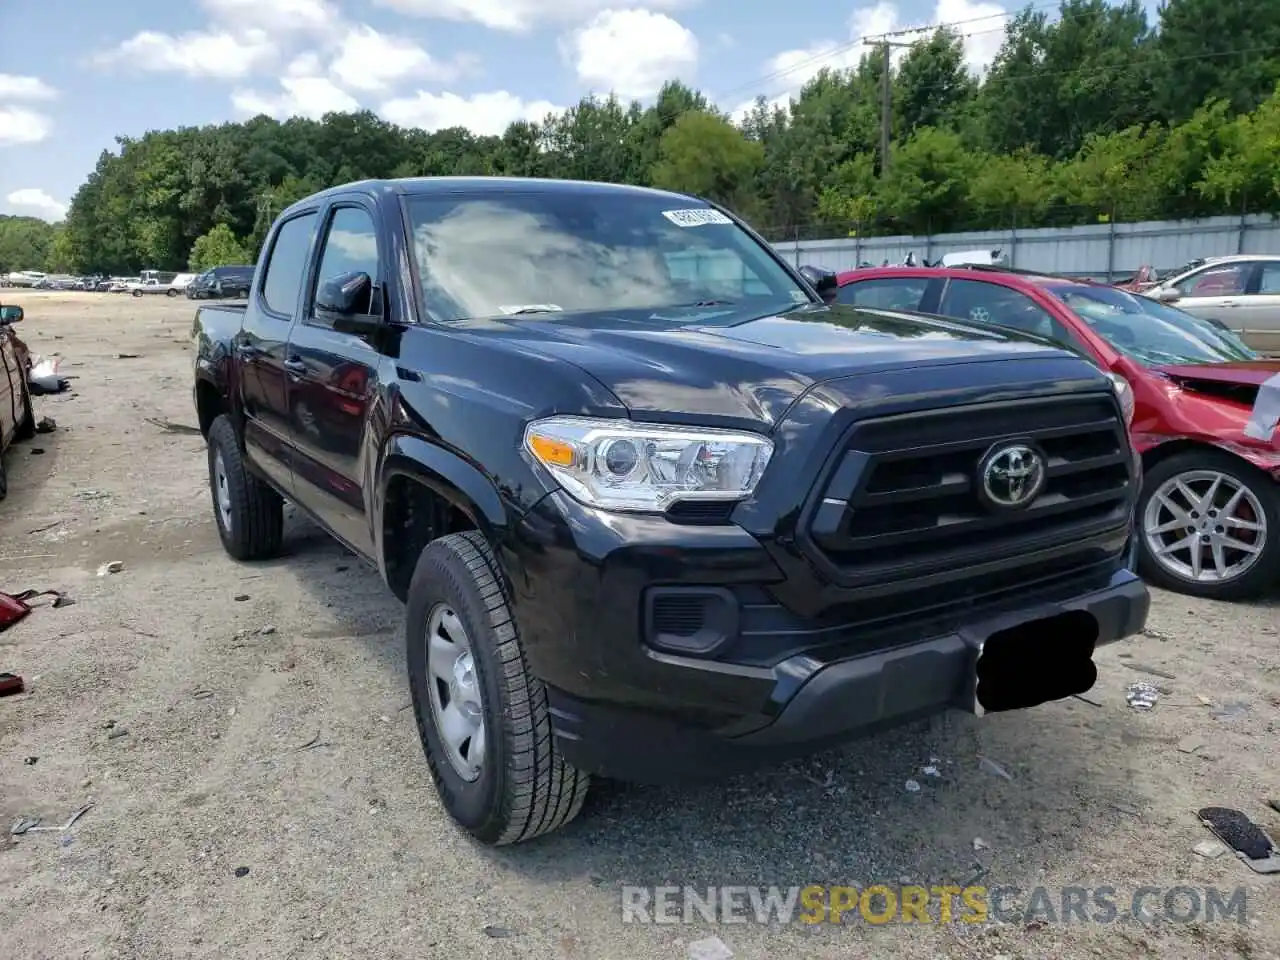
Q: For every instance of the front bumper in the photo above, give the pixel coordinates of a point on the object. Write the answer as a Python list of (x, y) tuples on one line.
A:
[(623, 709)]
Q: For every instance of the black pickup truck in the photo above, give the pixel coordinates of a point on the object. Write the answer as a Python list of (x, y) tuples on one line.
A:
[(654, 506)]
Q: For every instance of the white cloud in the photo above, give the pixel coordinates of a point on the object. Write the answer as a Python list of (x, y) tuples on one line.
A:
[(276, 16), (515, 15), (13, 87), (369, 60), (39, 202), (19, 125), (483, 113), (300, 96), (218, 54), (792, 69), (632, 52)]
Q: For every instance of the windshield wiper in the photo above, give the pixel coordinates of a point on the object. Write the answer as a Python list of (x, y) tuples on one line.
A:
[(701, 303)]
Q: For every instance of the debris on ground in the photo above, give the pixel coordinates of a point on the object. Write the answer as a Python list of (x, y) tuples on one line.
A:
[(1156, 635), (116, 733), (30, 761), (1142, 695), (32, 825), (92, 495), (46, 425), (712, 948), (170, 427), (1230, 711), (912, 786), (126, 356), (10, 683), (1249, 841), (1191, 744), (980, 844), (987, 765), (498, 933), (241, 597), (242, 871), (115, 566), (1209, 849), (1143, 668)]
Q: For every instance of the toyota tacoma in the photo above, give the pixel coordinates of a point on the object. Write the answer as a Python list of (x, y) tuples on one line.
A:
[(654, 506)]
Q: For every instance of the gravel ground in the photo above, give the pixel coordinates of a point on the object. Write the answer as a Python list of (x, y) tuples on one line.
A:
[(258, 789)]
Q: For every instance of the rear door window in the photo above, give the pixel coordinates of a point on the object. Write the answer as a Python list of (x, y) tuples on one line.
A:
[(287, 265), (986, 303), (885, 293)]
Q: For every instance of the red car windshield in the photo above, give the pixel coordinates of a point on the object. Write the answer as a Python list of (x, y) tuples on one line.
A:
[(1150, 332)]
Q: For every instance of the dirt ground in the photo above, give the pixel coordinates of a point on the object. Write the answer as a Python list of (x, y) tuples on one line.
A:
[(258, 790)]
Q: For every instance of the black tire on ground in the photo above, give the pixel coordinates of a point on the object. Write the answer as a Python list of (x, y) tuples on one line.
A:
[(256, 527), (524, 788), (1264, 573), (27, 428)]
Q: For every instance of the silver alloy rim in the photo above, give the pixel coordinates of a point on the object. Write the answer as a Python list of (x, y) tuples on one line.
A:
[(222, 490), (1205, 526), (456, 705)]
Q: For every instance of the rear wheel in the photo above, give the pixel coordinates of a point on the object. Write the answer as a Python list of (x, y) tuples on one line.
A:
[(171, 293), (1210, 526), (249, 513), (482, 715)]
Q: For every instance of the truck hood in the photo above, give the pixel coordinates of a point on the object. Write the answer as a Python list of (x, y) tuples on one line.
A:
[(713, 363)]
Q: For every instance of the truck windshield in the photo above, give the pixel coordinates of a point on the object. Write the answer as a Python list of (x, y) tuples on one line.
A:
[(1151, 332), (542, 252)]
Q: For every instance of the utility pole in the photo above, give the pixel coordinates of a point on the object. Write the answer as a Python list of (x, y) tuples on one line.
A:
[(886, 97)]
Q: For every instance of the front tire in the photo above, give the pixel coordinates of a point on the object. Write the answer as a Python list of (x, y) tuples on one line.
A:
[(482, 715), (249, 514), (27, 428), (1209, 526), (171, 293)]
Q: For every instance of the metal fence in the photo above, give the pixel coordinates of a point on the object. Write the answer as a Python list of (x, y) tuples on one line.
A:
[(1103, 251)]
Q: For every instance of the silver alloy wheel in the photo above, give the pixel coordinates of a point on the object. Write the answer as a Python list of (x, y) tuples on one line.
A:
[(456, 705), (222, 490), (1205, 515)]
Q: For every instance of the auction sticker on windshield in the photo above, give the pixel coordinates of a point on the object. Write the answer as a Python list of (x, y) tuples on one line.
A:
[(697, 217)]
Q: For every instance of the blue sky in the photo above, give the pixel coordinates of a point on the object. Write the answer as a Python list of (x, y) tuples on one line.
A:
[(98, 69)]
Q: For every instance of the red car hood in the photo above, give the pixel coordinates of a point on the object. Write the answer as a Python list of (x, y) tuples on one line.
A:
[(1243, 372)]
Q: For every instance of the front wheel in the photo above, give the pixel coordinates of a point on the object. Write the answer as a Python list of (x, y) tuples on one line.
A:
[(171, 293), (482, 715), (1209, 526), (249, 514)]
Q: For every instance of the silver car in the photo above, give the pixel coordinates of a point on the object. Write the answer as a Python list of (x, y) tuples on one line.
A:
[(1241, 292)]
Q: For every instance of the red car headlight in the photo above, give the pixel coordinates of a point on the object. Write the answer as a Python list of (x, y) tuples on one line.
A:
[(1125, 394)]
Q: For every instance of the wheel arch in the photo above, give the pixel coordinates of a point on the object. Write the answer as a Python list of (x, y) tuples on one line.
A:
[(426, 492)]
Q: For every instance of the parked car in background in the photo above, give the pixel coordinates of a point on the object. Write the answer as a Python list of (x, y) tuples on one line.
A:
[(221, 283), (656, 510), (1209, 513), (17, 417), (1241, 292), (123, 284), (178, 285), (149, 287)]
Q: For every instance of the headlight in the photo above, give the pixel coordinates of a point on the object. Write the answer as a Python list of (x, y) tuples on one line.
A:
[(1125, 393), (621, 465)]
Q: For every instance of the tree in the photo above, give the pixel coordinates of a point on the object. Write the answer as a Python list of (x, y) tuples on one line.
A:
[(1217, 50), (704, 154), (217, 248), (933, 87), (24, 243)]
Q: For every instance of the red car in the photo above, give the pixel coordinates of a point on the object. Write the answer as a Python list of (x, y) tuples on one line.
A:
[(1204, 418)]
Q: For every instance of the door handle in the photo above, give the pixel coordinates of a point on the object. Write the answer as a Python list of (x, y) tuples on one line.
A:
[(296, 366)]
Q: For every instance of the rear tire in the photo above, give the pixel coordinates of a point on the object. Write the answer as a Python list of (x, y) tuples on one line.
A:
[(171, 293), (27, 428), (1253, 520), (249, 513), (518, 786)]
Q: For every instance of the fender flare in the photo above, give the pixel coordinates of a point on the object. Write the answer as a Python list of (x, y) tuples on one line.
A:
[(1250, 455), (449, 476)]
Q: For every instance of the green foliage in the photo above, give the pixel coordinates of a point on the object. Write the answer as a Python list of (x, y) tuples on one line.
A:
[(24, 243), (1086, 115), (217, 248)]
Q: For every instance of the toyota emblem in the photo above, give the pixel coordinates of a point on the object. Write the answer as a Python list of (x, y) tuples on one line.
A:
[(1012, 476)]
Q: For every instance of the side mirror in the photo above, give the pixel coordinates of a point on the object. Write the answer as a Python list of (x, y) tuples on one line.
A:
[(10, 315), (1167, 294), (347, 301), (826, 283)]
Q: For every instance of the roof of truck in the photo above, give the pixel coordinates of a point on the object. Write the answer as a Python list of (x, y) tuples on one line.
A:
[(423, 186)]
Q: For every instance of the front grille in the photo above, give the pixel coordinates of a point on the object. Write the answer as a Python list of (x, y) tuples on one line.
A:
[(904, 501)]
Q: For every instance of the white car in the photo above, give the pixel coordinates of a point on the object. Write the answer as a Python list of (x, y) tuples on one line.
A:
[(145, 287), (123, 284), (178, 286)]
